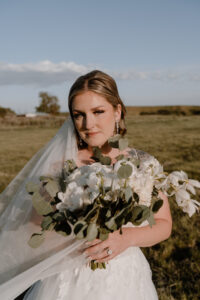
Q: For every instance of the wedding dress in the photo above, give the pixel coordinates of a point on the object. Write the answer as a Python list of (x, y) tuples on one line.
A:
[(57, 270), (127, 276)]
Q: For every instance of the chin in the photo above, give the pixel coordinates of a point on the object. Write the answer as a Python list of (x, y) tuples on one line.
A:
[(96, 143)]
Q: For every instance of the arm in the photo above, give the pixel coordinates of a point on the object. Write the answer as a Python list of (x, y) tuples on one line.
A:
[(134, 236), (148, 236)]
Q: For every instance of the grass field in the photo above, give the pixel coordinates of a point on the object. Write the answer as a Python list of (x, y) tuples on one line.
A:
[(175, 141)]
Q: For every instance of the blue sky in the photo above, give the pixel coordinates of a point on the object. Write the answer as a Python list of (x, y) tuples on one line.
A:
[(151, 48)]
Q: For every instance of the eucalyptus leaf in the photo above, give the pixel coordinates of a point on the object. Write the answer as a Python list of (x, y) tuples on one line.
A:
[(78, 226), (93, 265), (63, 233), (114, 141), (52, 188), (108, 214), (32, 187), (96, 153), (42, 207), (45, 178), (120, 157), (105, 160), (136, 197), (58, 216), (36, 240), (103, 236), (92, 231), (63, 226), (46, 222), (151, 219), (81, 234), (111, 224), (157, 205), (124, 171), (128, 193), (123, 144), (137, 213)]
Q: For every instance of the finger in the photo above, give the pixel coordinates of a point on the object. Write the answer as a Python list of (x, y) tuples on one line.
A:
[(101, 255), (99, 247), (107, 258), (92, 250), (94, 242)]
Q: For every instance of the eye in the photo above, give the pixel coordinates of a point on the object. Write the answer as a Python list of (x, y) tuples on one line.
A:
[(99, 112), (76, 116)]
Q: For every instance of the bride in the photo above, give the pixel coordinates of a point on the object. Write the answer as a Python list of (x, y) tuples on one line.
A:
[(59, 269)]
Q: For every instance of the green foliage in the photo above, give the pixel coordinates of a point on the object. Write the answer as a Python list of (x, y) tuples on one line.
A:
[(48, 104), (117, 141), (36, 240), (124, 171), (41, 206)]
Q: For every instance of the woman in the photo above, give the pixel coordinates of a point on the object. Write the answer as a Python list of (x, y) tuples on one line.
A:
[(98, 113)]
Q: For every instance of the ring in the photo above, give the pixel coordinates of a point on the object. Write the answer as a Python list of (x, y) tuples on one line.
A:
[(109, 251)]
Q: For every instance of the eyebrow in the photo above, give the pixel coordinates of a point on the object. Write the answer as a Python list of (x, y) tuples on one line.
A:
[(94, 108)]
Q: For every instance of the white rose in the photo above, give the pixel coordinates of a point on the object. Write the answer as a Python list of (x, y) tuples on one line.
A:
[(74, 174), (72, 198), (93, 180)]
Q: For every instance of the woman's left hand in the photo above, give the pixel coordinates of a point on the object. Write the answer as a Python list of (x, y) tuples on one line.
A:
[(97, 249)]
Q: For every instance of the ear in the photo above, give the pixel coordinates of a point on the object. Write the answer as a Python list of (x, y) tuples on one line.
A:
[(118, 112)]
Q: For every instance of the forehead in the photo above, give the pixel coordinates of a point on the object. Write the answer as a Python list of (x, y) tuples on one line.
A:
[(89, 100)]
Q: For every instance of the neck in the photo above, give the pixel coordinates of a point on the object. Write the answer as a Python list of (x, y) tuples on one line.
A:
[(105, 149)]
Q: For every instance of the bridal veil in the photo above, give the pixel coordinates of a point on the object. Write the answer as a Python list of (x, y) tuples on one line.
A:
[(21, 265)]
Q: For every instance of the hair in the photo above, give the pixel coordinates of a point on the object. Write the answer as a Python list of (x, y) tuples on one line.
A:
[(102, 84)]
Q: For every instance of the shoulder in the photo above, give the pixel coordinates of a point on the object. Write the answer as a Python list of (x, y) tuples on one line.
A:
[(140, 154)]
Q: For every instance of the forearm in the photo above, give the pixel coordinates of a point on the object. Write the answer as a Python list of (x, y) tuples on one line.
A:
[(147, 236)]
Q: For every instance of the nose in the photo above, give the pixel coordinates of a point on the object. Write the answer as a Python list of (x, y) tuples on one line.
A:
[(88, 122)]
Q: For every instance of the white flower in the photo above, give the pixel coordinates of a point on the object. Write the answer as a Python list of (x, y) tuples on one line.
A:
[(93, 180), (190, 184), (72, 198), (145, 191), (74, 175), (177, 176), (183, 200), (151, 166)]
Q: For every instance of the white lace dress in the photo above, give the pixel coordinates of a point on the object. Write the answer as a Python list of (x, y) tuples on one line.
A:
[(127, 276)]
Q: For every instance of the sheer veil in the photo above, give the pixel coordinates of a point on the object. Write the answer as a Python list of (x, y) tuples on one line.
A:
[(20, 265)]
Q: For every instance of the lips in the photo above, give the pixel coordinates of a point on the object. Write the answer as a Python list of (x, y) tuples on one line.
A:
[(92, 133)]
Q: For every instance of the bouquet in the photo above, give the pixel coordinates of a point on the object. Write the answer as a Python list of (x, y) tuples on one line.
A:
[(94, 200)]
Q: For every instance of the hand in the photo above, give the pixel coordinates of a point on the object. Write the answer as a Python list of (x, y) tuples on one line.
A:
[(116, 242)]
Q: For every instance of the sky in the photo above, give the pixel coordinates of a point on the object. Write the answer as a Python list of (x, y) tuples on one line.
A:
[(150, 47)]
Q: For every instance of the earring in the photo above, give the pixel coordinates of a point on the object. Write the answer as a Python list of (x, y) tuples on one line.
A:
[(117, 127), (80, 141)]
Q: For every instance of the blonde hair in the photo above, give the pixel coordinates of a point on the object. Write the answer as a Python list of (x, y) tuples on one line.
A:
[(102, 84)]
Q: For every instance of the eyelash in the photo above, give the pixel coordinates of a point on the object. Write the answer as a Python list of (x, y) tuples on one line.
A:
[(97, 111)]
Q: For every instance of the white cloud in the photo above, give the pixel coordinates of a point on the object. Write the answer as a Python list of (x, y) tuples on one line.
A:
[(44, 73), (47, 73)]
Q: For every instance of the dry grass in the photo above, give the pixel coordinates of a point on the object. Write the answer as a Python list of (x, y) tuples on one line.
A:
[(175, 141)]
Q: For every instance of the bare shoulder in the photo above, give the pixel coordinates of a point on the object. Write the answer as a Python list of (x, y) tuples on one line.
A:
[(142, 155)]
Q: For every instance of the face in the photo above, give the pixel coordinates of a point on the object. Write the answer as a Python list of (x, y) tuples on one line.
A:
[(94, 118)]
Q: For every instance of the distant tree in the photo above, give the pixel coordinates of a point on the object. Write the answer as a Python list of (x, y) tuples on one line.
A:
[(48, 104), (6, 111)]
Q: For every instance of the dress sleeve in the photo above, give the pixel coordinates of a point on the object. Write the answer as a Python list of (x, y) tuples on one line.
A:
[(140, 154)]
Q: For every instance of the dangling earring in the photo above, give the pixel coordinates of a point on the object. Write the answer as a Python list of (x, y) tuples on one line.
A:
[(117, 127), (80, 141)]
